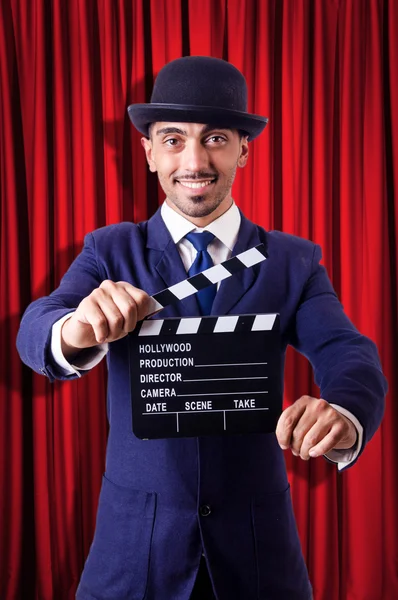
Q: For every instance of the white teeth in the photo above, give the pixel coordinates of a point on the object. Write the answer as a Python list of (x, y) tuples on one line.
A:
[(195, 185)]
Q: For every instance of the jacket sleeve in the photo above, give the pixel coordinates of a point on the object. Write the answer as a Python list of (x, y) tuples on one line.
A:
[(346, 364), (34, 336)]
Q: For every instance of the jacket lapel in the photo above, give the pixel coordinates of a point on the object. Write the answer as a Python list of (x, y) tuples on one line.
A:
[(168, 263), (232, 289)]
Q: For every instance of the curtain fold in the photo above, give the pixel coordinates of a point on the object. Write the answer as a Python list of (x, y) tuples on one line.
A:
[(325, 168)]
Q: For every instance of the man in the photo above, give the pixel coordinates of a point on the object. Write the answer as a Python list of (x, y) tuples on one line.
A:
[(212, 516)]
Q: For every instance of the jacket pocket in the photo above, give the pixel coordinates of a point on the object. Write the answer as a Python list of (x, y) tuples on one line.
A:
[(281, 569), (118, 562)]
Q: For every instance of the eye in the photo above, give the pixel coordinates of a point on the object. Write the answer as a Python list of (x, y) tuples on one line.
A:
[(216, 139), (172, 142)]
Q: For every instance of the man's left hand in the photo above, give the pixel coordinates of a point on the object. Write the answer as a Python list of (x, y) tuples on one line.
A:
[(311, 427)]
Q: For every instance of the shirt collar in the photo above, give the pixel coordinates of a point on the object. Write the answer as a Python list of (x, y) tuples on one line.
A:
[(225, 228)]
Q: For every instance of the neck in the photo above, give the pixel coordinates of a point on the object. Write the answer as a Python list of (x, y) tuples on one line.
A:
[(205, 220)]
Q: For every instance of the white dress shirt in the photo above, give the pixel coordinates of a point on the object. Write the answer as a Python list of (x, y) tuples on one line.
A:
[(225, 230)]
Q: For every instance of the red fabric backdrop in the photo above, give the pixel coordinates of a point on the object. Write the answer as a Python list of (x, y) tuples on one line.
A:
[(326, 168)]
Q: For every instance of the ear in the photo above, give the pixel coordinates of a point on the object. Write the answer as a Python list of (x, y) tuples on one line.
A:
[(147, 145), (244, 152)]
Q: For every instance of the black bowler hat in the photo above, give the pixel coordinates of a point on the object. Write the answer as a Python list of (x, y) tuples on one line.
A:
[(199, 89)]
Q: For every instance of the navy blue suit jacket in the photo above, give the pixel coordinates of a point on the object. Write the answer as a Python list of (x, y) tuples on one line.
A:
[(150, 534)]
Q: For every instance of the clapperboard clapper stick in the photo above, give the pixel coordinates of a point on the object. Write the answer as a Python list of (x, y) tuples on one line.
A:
[(215, 274), (206, 375)]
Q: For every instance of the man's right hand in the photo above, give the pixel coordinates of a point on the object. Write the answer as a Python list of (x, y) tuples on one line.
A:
[(109, 313)]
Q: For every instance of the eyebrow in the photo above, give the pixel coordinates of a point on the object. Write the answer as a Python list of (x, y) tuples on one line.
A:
[(206, 129)]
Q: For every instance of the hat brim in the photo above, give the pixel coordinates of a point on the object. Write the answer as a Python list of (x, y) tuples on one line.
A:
[(142, 115)]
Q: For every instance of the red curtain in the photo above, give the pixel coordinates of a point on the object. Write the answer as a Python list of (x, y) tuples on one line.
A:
[(326, 168)]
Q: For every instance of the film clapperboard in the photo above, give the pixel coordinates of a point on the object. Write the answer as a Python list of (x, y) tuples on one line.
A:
[(205, 375)]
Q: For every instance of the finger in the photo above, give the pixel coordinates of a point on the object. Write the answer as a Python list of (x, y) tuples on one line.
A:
[(132, 302), (90, 313), (328, 442), (313, 436), (287, 422), (123, 296), (115, 319), (104, 316), (317, 410), (303, 426), (141, 299), (127, 306)]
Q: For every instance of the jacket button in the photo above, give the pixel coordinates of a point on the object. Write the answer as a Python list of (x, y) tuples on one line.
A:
[(204, 510)]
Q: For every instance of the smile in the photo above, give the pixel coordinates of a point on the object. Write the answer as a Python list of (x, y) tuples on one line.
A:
[(196, 185)]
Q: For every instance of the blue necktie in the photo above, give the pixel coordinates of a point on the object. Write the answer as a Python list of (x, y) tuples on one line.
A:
[(202, 261)]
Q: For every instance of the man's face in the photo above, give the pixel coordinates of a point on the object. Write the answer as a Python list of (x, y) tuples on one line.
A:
[(196, 166)]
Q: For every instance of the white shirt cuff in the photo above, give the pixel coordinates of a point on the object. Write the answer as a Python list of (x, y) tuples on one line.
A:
[(344, 457), (84, 362)]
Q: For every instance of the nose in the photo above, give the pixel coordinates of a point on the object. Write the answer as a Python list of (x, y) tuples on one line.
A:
[(195, 157)]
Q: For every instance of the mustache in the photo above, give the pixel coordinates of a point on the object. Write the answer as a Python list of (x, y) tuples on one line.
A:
[(195, 176)]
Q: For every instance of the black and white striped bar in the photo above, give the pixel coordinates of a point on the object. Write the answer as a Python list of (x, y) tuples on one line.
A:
[(194, 325), (210, 276)]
